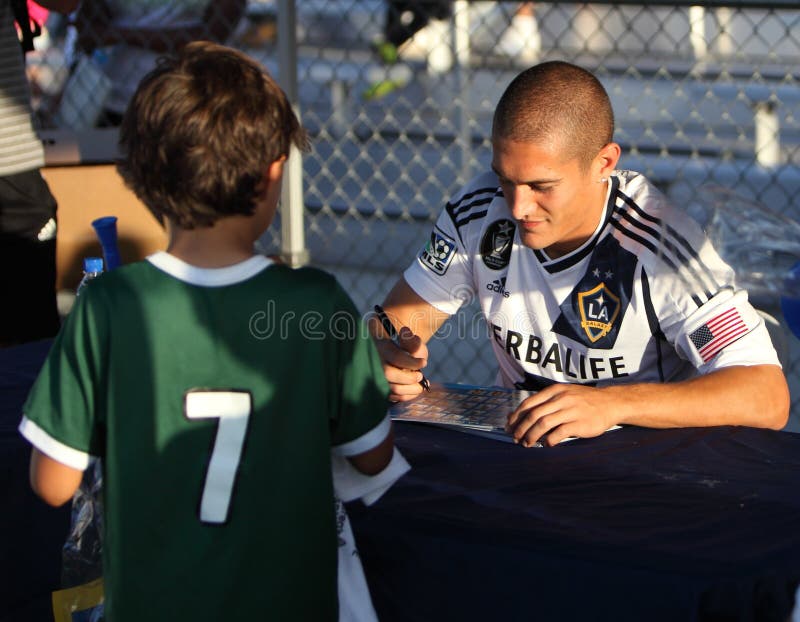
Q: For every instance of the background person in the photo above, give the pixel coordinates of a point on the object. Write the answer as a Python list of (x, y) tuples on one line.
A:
[(134, 33), (219, 500), (597, 292), (521, 40), (27, 208), (406, 18)]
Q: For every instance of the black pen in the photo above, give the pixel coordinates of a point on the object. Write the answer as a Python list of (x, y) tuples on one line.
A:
[(395, 337)]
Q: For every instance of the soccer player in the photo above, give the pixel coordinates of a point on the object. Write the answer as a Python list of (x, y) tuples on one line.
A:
[(597, 293), (188, 373)]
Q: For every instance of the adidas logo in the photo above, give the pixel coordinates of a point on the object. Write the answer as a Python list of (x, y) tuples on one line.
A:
[(498, 286)]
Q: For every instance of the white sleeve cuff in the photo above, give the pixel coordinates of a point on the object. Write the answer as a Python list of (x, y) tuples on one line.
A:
[(56, 450), (350, 484), (364, 443)]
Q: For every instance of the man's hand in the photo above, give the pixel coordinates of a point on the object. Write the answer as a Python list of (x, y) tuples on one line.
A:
[(560, 411), (401, 364)]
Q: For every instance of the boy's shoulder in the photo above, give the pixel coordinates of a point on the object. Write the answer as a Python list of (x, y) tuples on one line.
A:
[(309, 274), (312, 283), (125, 273)]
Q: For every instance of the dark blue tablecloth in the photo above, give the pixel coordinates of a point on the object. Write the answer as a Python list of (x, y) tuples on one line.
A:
[(672, 525), (31, 532)]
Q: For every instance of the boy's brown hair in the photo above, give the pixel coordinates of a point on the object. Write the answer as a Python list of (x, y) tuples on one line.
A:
[(200, 132)]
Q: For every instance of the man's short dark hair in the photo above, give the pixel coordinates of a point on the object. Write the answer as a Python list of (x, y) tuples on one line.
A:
[(559, 103), (201, 131)]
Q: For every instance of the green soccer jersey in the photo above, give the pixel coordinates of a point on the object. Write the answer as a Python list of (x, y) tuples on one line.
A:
[(214, 398)]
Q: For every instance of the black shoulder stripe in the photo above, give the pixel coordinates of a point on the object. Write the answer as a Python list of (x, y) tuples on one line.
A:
[(694, 254), (458, 207), (654, 232), (672, 242), (666, 243), (472, 216), (612, 199), (691, 252), (455, 212), (635, 236), (655, 327), (635, 207), (652, 248)]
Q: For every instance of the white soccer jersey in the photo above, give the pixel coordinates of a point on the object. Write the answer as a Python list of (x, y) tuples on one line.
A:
[(646, 299)]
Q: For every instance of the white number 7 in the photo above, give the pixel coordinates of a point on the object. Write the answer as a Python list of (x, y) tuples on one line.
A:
[(233, 409)]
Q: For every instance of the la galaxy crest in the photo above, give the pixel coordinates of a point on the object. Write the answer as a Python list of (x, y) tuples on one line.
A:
[(599, 308), (496, 244), (595, 308)]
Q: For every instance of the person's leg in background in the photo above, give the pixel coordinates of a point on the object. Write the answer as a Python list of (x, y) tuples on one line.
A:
[(521, 39), (413, 28), (28, 311), (403, 19)]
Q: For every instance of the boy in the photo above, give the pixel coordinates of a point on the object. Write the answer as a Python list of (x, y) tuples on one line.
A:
[(186, 373)]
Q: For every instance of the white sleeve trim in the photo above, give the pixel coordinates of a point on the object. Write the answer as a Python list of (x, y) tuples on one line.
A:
[(56, 450), (364, 443), (350, 484), (418, 279), (752, 347)]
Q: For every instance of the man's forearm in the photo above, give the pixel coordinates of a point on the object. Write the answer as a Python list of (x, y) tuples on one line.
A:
[(743, 395)]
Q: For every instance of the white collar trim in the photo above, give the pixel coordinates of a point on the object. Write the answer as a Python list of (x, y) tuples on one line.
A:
[(209, 277)]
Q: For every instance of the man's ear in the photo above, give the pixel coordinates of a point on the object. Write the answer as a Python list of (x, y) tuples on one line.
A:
[(607, 159)]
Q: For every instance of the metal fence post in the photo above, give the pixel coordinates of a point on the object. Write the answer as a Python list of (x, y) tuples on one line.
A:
[(293, 242)]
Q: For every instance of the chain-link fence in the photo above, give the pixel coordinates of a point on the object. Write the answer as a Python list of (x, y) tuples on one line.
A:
[(704, 95)]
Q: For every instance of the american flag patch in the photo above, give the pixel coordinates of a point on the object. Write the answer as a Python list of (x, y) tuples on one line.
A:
[(717, 333)]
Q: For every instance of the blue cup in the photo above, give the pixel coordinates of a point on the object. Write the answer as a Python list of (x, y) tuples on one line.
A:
[(106, 230)]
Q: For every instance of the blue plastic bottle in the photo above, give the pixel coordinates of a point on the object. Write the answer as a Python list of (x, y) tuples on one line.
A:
[(92, 268)]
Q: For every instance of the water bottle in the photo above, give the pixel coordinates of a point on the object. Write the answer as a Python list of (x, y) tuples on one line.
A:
[(81, 554), (92, 268)]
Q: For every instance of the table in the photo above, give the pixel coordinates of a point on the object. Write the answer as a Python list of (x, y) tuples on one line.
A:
[(31, 532), (673, 525)]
